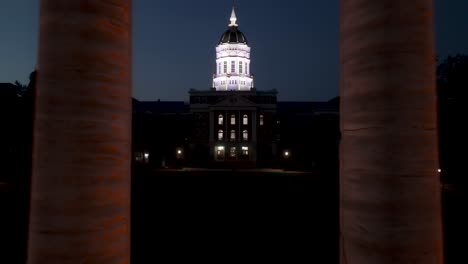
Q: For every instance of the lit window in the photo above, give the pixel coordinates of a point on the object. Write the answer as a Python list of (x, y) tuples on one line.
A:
[(245, 135), (225, 67), (233, 119), (232, 152), (261, 120), (240, 66), (233, 135), (220, 119), (245, 151), (233, 66), (245, 120), (219, 153), (220, 135)]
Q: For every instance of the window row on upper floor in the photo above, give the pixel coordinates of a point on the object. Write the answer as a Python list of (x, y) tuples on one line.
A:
[(245, 120), (232, 135)]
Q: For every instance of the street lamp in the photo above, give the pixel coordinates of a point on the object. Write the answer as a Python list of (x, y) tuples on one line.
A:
[(179, 153)]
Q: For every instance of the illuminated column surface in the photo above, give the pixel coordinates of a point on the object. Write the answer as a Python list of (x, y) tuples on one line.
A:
[(80, 197), (390, 192)]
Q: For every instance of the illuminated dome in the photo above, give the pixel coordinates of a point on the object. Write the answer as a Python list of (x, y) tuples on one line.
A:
[(233, 60), (233, 35)]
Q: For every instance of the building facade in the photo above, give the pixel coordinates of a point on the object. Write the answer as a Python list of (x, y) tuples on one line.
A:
[(233, 124), (232, 120)]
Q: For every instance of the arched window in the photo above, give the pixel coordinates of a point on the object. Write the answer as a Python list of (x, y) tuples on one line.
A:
[(233, 135), (220, 135), (245, 135), (220, 119), (245, 120), (261, 120), (233, 119)]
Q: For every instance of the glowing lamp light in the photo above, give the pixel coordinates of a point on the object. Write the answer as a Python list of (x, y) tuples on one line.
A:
[(286, 153), (146, 155), (179, 151), (439, 170)]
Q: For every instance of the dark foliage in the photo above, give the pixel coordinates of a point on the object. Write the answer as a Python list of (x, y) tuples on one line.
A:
[(452, 82), (16, 115)]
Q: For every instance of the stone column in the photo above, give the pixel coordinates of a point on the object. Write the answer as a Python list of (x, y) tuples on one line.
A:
[(80, 193), (390, 191)]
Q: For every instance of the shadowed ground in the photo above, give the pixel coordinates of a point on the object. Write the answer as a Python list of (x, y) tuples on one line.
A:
[(224, 215)]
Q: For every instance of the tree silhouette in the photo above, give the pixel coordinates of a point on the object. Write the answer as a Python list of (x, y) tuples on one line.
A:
[(452, 79)]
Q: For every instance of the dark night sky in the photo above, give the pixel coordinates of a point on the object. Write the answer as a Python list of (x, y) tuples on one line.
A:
[(294, 43)]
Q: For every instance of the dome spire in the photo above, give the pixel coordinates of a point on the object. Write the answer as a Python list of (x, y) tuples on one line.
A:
[(233, 17)]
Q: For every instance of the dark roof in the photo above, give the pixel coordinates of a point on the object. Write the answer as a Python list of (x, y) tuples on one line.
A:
[(160, 107), (175, 107), (233, 35), (8, 89), (309, 107)]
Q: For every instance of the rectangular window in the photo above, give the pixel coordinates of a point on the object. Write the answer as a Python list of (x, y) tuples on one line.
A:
[(225, 67), (245, 135), (245, 151), (245, 120), (219, 68), (232, 152), (240, 66), (219, 153), (233, 66), (261, 120), (220, 119), (233, 119)]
